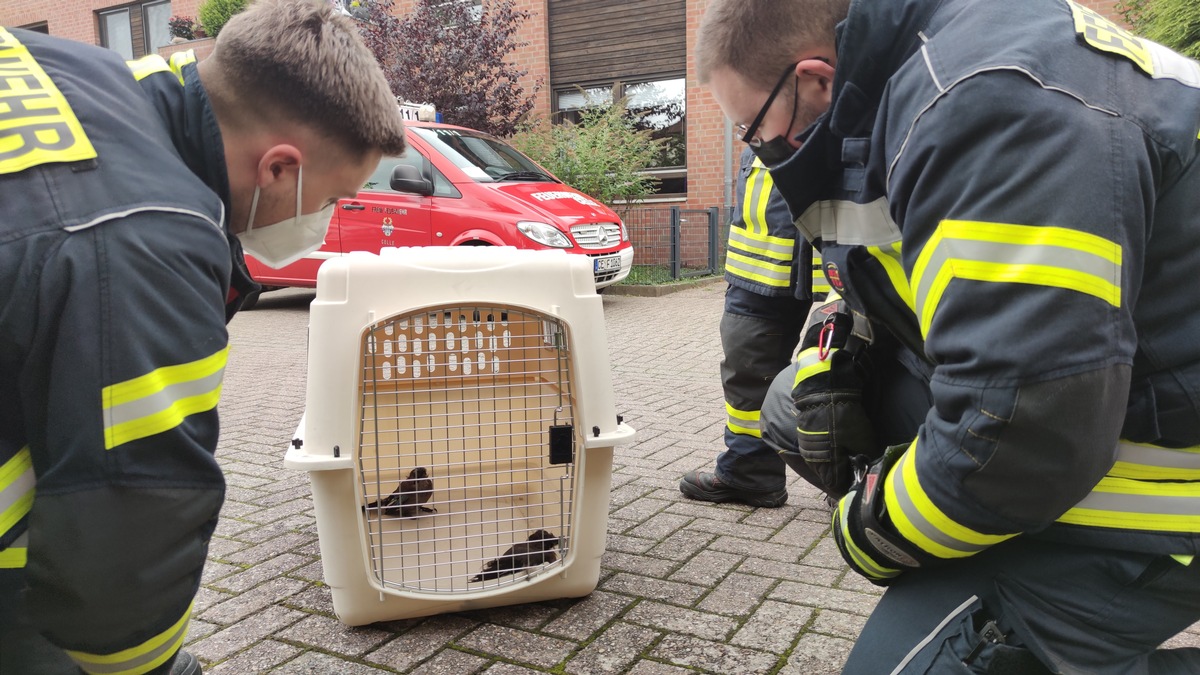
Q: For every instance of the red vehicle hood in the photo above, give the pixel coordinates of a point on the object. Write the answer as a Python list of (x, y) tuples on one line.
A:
[(559, 203)]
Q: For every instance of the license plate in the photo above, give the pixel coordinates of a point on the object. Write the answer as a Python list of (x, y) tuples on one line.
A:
[(612, 264)]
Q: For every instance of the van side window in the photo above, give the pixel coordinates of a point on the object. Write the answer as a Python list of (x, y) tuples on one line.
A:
[(380, 179)]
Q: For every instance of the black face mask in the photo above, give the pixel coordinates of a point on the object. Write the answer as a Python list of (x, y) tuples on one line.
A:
[(773, 152)]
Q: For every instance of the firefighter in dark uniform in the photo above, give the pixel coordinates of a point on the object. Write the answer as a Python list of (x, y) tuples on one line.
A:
[(1011, 193), (772, 280), (120, 266)]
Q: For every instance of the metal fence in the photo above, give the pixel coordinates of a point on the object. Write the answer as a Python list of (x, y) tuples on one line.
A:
[(672, 243)]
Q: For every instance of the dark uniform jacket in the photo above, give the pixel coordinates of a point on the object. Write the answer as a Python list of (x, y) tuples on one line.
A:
[(764, 253), (1012, 189), (115, 266)]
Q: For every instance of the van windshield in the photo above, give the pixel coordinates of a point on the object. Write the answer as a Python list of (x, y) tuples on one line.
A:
[(484, 158)]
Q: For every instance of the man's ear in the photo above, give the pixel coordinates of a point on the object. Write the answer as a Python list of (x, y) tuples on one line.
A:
[(814, 77), (278, 162)]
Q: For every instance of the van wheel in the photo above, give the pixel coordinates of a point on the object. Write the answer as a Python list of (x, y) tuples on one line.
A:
[(475, 242)]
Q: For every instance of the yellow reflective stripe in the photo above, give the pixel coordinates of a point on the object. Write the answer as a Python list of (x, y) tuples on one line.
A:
[(920, 521), (16, 489), (1106, 36), (153, 63), (140, 659), (13, 557), (758, 194), (1139, 505), (889, 258), (38, 125), (997, 252), (744, 422), (777, 248), (160, 400), (809, 364), (181, 59), (757, 270), (148, 65), (1184, 560), (862, 561)]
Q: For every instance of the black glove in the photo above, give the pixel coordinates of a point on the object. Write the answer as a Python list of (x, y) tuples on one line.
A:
[(861, 532), (831, 422)]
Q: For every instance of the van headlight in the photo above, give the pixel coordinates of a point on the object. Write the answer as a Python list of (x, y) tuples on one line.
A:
[(544, 234), (624, 230)]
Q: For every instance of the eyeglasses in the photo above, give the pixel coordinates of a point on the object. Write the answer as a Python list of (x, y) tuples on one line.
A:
[(749, 134)]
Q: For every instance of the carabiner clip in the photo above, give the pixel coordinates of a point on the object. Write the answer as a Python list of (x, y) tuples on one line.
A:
[(825, 340)]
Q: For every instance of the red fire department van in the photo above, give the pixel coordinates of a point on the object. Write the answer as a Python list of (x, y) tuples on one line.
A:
[(460, 187)]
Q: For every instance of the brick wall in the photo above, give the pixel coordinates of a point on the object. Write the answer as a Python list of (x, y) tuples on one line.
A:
[(75, 19)]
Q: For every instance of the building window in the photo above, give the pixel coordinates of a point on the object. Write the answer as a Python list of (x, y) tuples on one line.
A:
[(41, 27), (658, 105), (136, 30)]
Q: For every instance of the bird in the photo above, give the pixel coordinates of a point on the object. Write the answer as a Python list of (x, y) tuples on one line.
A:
[(536, 550), (408, 499)]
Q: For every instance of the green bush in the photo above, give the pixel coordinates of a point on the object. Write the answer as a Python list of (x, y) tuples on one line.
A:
[(1174, 23), (214, 14), (602, 156)]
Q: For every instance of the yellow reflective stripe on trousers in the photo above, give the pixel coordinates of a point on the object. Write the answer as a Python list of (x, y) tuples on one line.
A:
[(921, 522), (997, 252), (38, 125), (14, 556), (160, 400), (758, 192), (746, 267), (140, 659), (1149, 488), (16, 489), (744, 422)]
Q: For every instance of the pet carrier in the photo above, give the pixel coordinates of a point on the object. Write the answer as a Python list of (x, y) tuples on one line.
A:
[(458, 430)]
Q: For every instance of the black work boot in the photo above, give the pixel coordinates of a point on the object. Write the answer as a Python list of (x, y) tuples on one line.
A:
[(185, 664), (705, 487)]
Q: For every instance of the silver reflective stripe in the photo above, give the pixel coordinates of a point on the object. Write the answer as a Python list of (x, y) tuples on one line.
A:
[(951, 249), (765, 272), (1150, 455), (750, 243), (163, 399), (16, 484), (758, 193), (742, 424), (933, 633), (142, 658), (1143, 504), (918, 520), (850, 223)]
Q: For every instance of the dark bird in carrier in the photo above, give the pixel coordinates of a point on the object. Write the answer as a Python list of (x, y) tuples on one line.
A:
[(408, 499), (537, 550)]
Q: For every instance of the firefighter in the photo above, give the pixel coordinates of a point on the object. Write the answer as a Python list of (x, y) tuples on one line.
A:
[(1010, 192), (127, 195), (771, 281)]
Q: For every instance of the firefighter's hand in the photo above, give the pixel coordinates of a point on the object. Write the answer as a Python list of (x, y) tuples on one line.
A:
[(865, 540)]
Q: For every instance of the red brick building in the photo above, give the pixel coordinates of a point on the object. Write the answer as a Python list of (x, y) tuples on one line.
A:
[(640, 48)]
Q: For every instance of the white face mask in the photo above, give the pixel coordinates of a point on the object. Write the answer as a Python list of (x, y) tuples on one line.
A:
[(289, 240)]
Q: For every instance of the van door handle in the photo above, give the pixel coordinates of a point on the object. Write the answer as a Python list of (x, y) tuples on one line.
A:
[(353, 207)]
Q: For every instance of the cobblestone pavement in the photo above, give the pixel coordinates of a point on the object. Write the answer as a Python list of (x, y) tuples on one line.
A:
[(685, 586)]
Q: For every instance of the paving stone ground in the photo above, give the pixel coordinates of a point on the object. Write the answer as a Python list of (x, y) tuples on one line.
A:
[(685, 587)]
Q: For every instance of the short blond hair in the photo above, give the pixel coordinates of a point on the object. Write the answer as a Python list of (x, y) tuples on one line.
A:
[(300, 61), (758, 39)]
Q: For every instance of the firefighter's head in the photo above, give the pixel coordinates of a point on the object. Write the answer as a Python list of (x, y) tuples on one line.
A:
[(305, 114), (770, 67)]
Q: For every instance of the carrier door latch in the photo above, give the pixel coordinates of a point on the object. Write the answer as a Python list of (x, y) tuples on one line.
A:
[(562, 443)]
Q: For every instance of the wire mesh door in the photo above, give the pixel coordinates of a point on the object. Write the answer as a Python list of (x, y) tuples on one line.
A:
[(466, 451)]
